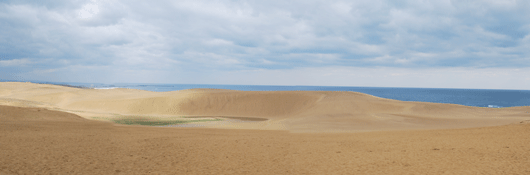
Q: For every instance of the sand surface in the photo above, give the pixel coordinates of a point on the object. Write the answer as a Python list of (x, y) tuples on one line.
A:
[(293, 111), (264, 133)]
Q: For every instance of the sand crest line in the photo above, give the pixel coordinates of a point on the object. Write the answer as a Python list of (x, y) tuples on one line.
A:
[(294, 111)]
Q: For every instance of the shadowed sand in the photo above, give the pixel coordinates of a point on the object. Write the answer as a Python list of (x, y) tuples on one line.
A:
[(295, 132)]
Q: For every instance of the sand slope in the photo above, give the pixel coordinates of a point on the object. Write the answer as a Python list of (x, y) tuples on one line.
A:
[(40, 141), (292, 133), (295, 111)]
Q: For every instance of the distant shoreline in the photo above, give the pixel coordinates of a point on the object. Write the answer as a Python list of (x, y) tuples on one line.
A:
[(49, 83), (491, 98), (66, 85)]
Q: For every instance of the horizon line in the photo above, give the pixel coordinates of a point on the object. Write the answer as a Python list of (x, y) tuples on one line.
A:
[(69, 85)]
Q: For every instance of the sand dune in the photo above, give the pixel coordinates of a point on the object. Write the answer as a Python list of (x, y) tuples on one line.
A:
[(295, 132), (295, 111), (41, 141)]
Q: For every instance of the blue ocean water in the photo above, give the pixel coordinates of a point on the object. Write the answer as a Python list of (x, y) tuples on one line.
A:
[(469, 97)]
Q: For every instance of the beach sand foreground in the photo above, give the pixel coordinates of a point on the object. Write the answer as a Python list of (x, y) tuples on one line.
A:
[(304, 133)]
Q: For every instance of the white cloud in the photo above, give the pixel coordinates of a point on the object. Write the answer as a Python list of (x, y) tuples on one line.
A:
[(15, 62), (88, 10), (45, 71), (218, 42), (159, 37)]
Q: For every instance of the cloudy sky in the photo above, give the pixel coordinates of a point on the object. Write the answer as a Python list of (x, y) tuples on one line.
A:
[(446, 44)]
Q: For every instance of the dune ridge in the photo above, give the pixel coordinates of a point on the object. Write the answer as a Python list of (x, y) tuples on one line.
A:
[(48, 129), (296, 111)]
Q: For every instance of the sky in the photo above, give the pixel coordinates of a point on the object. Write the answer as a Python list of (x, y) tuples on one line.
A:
[(483, 44)]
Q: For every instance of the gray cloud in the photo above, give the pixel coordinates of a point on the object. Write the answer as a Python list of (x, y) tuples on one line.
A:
[(172, 38)]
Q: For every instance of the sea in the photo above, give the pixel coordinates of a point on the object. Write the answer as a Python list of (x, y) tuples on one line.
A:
[(492, 98)]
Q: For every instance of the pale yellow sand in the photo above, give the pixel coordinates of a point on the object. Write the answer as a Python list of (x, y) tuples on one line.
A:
[(294, 111)]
